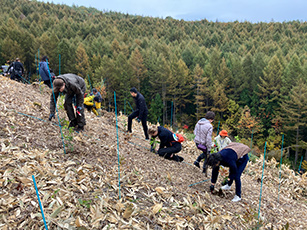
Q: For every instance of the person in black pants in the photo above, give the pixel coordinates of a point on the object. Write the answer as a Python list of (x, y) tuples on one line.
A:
[(141, 111), (234, 156), (17, 70), (169, 144)]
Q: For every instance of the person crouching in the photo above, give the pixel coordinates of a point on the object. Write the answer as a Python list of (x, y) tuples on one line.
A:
[(169, 144)]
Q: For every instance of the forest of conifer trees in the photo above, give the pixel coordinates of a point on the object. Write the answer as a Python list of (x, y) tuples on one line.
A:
[(253, 75)]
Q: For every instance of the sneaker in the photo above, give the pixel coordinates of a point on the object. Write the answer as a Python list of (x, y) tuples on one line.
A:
[(236, 199), (226, 187), (196, 163)]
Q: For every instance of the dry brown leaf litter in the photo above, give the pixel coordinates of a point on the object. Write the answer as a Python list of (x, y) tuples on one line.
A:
[(80, 190)]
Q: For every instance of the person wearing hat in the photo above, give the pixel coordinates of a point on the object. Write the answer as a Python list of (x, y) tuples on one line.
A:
[(222, 140), (203, 138), (93, 102), (140, 113), (71, 85), (234, 156)]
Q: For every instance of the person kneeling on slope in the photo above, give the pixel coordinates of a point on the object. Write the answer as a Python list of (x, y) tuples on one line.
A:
[(93, 102), (234, 156), (169, 143)]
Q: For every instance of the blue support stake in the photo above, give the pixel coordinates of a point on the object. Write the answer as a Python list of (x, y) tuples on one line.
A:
[(56, 108), (117, 146), (218, 127), (261, 181), (282, 146), (39, 201), (198, 183), (36, 65), (130, 106)]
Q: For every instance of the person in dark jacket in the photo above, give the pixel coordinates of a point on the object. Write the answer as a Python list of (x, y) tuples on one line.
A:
[(234, 156), (43, 71), (141, 111), (71, 85), (169, 144), (203, 138), (16, 70)]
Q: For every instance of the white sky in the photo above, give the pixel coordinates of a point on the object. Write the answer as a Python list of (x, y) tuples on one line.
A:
[(212, 10)]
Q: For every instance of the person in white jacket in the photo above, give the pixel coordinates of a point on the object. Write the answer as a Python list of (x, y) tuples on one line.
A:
[(221, 141), (203, 137)]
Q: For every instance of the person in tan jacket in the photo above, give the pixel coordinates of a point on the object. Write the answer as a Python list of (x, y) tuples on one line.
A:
[(234, 156)]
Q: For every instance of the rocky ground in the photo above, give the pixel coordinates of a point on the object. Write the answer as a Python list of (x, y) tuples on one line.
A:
[(79, 186)]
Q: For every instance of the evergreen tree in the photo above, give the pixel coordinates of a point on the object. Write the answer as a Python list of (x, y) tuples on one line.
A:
[(137, 63), (269, 92), (82, 62), (294, 111), (156, 109)]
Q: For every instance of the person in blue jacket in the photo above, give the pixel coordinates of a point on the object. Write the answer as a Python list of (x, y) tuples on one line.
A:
[(140, 113), (43, 71), (234, 156), (169, 144)]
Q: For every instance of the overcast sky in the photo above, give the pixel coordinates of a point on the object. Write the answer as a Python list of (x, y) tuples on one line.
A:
[(212, 10)]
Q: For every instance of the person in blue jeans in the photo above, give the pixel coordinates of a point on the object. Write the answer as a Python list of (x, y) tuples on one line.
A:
[(234, 156)]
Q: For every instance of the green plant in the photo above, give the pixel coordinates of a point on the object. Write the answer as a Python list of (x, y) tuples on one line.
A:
[(55, 192), (85, 203), (189, 136)]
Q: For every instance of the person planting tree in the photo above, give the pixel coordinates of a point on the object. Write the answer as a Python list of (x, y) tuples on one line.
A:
[(72, 86), (170, 143), (234, 156)]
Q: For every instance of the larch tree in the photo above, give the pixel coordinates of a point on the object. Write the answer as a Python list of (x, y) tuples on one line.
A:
[(82, 62), (269, 92), (137, 63), (294, 111), (200, 83)]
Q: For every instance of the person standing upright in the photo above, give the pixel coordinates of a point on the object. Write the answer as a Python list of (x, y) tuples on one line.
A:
[(141, 111), (203, 136), (43, 71)]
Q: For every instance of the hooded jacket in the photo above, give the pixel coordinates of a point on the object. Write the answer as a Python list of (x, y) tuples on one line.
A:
[(43, 71), (74, 85), (203, 133)]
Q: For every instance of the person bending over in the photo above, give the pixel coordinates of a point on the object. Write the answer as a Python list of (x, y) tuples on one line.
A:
[(234, 156)]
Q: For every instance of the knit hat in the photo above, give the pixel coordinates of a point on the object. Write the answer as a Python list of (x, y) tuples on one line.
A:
[(134, 90), (224, 133)]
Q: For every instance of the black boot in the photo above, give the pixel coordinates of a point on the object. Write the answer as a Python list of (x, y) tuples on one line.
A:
[(72, 123)]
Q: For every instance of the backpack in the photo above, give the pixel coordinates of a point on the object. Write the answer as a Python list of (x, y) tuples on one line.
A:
[(178, 137)]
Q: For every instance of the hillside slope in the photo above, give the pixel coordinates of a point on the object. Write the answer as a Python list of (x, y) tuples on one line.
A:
[(80, 189)]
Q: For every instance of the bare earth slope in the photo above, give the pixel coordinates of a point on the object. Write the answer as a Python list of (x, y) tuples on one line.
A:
[(80, 189)]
